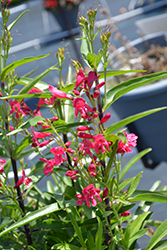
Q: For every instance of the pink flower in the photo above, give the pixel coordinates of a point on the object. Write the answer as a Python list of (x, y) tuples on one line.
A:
[(85, 147), (72, 174), (8, 1), (96, 93), (89, 193), (92, 167), (105, 118), (80, 106), (49, 165), (83, 128), (2, 161), (131, 142), (80, 78), (16, 108), (22, 180), (105, 192), (58, 93), (100, 85), (34, 90), (100, 143), (1, 169), (39, 135), (126, 213), (76, 92), (88, 82), (58, 152), (2, 166), (85, 135)]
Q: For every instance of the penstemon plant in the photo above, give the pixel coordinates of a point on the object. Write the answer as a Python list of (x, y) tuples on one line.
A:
[(90, 205)]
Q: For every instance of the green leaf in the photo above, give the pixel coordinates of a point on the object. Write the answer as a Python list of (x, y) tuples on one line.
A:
[(85, 48), (157, 236), (162, 247), (130, 119), (98, 238), (150, 197), (133, 161), (94, 59), (20, 62), (26, 80), (31, 84), (90, 241), (123, 88), (65, 246), (137, 223), (77, 230), (10, 26), (134, 184), (111, 73), (30, 122), (110, 162), (145, 206), (137, 235), (68, 107), (32, 217)]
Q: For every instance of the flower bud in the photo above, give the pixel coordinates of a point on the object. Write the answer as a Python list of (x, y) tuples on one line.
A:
[(96, 93), (126, 213), (105, 192), (105, 118)]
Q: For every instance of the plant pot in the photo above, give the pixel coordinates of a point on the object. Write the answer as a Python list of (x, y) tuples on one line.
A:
[(67, 19), (151, 130)]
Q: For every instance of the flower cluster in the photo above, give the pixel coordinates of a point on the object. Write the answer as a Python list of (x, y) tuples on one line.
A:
[(55, 4)]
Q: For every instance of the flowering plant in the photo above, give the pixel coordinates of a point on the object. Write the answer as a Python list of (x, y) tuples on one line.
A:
[(91, 205), (55, 4)]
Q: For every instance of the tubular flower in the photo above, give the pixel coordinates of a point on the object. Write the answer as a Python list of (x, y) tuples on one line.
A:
[(58, 93), (80, 78), (16, 108), (80, 106), (131, 142), (100, 85), (22, 180), (39, 135), (85, 147), (83, 128), (85, 135), (105, 192), (100, 143), (105, 118), (89, 193), (58, 152), (2, 161), (49, 165), (126, 213), (72, 174), (88, 82)]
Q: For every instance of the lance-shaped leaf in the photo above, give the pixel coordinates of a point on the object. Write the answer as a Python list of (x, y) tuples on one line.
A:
[(133, 161), (20, 62), (77, 230), (98, 238), (134, 184), (123, 88), (110, 162), (11, 25), (157, 236), (150, 197), (111, 73), (85, 48), (68, 106), (31, 84), (130, 119)]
